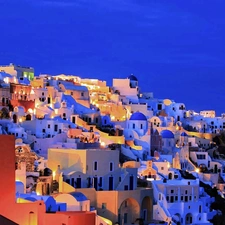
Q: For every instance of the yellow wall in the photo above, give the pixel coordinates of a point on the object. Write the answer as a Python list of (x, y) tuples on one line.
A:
[(67, 158)]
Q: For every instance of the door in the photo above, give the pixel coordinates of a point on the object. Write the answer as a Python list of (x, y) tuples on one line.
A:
[(144, 214), (72, 182), (95, 180), (125, 218), (78, 183), (56, 128)]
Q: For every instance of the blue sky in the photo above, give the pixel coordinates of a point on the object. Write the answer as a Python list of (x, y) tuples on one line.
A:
[(175, 48)]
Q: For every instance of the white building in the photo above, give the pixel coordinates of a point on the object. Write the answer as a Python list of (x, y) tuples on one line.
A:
[(180, 202)]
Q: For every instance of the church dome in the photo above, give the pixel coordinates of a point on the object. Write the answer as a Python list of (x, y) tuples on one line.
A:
[(132, 77), (138, 116), (167, 134)]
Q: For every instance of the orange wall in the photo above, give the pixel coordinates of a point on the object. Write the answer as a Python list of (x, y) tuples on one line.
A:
[(26, 104), (81, 218)]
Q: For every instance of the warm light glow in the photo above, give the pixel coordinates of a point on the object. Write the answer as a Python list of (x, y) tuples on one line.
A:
[(197, 170), (30, 110), (53, 175), (168, 165), (20, 120), (6, 80), (38, 193), (102, 144)]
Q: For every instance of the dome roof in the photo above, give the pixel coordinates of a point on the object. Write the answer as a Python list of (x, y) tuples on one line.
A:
[(79, 196), (167, 134), (132, 77), (183, 134), (138, 116)]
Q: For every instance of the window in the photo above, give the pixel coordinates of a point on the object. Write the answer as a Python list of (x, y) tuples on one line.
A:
[(49, 126), (133, 125), (162, 168), (43, 93), (159, 106), (100, 181), (82, 94), (95, 165), (111, 166), (104, 205), (141, 126), (71, 93), (120, 179), (171, 199), (172, 191)]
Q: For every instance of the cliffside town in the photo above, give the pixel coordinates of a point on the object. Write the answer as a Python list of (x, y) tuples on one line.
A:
[(76, 151)]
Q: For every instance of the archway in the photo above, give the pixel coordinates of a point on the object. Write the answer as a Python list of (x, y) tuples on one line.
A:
[(146, 209), (129, 211), (188, 218), (5, 113), (3, 101), (28, 117)]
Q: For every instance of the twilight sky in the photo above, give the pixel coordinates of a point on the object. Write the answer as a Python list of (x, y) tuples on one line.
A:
[(175, 48)]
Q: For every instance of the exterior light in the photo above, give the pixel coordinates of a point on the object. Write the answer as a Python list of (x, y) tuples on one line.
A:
[(53, 175), (102, 144)]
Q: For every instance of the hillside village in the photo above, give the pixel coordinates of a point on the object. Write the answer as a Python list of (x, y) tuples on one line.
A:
[(77, 151)]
